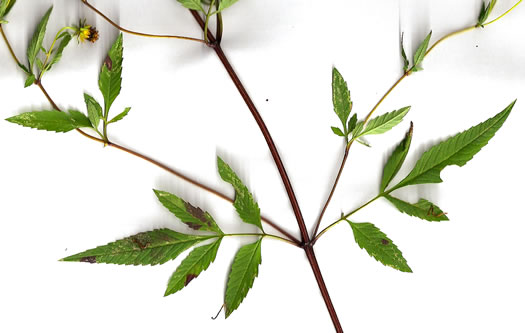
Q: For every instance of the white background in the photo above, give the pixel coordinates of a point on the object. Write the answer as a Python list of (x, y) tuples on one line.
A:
[(62, 194)]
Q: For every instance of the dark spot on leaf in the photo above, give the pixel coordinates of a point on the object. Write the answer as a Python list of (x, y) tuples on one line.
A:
[(197, 213), (189, 278), (194, 226), (108, 62), (384, 242), (141, 243), (90, 259)]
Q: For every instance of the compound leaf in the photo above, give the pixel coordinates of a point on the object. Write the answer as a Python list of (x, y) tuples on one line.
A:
[(395, 161), (423, 209)]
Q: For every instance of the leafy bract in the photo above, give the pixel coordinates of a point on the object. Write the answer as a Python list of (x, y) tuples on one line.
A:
[(192, 4), (379, 246), (421, 51), (48, 120), (486, 10), (110, 79), (146, 248), (94, 110), (423, 209), (64, 41), (406, 63), (381, 124), (395, 161), (225, 4), (196, 262), (38, 37), (341, 98), (29, 80), (457, 150), (244, 203), (245, 269), (193, 217), (120, 116)]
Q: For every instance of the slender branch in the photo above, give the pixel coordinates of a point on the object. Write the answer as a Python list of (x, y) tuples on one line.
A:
[(139, 33), (502, 15), (262, 235), (220, 23), (9, 46)]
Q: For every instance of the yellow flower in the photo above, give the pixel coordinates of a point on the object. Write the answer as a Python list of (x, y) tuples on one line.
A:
[(86, 32)]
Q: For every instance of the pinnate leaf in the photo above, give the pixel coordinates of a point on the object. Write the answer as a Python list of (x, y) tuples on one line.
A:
[(423, 209), (192, 4), (245, 269), (120, 116), (38, 37), (457, 150), (55, 121), (193, 217), (146, 248), (341, 97), (379, 246), (422, 50), (244, 203), (196, 262), (381, 124), (110, 79), (395, 161)]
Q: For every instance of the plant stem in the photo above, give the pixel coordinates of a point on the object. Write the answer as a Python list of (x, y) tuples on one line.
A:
[(139, 33), (208, 15), (9, 46), (262, 235), (502, 15), (220, 23)]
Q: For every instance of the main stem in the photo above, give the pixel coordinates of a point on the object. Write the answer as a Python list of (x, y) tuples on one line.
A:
[(307, 246)]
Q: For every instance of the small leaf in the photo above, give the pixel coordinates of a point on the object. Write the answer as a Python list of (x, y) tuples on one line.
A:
[(94, 110), (379, 246), (352, 123), (192, 4), (363, 142), (120, 116), (381, 124), (38, 37), (245, 269), (244, 203), (39, 64), (486, 10), (3, 21), (225, 4), (406, 63), (192, 216), (337, 131), (5, 8), (46, 120), (457, 150), (146, 248), (395, 161), (195, 263), (24, 68), (422, 50), (66, 38), (30, 80), (423, 209), (341, 97), (110, 79), (80, 120)]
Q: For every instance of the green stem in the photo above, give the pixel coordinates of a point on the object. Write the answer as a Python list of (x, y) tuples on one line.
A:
[(48, 54), (261, 235), (502, 15), (208, 15), (13, 55)]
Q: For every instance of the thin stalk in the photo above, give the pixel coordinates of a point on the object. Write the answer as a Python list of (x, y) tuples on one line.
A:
[(220, 23), (13, 55), (208, 15), (502, 15), (139, 33), (262, 235)]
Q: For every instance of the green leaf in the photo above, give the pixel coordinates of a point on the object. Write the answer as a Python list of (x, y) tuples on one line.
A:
[(244, 202), (3, 21), (5, 7), (195, 263), (341, 97), (352, 123), (486, 10), (395, 161), (120, 116), (94, 110), (46, 120), (110, 79), (30, 80), (457, 150), (381, 124), (421, 50), (58, 53), (192, 4), (24, 68), (406, 63), (423, 209), (80, 120), (379, 246), (337, 131), (39, 64), (193, 217), (38, 37), (245, 269), (363, 142), (146, 248), (225, 4)]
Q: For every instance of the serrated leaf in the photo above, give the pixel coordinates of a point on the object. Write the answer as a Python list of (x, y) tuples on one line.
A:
[(379, 246), (406, 63), (395, 161), (381, 124), (422, 50), (193, 217), (195, 263), (225, 4), (38, 37), (80, 120), (457, 150), (30, 80), (110, 79), (352, 123), (94, 110), (423, 209), (337, 131), (192, 4), (341, 97), (46, 120), (120, 116), (245, 269), (244, 203), (66, 38), (146, 248)]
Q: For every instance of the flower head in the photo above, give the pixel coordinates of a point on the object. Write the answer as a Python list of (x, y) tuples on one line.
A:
[(86, 32)]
